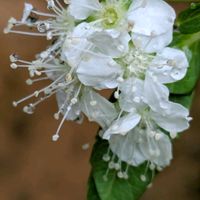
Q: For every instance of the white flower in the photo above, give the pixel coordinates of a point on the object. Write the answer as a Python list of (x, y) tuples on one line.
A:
[(145, 108), (56, 26), (151, 22), (87, 38), (167, 66), (151, 98), (140, 145), (89, 53)]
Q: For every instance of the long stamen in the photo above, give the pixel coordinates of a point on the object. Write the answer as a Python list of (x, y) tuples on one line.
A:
[(56, 136)]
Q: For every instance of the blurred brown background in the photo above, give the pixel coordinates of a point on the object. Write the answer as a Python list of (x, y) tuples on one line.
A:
[(34, 168)]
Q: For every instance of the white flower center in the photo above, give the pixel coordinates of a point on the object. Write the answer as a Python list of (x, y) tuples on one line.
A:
[(137, 63)]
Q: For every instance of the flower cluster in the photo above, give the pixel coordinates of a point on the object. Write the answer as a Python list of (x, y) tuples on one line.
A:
[(110, 44)]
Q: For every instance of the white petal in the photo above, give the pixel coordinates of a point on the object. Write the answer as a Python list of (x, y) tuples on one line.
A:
[(169, 65), (131, 96), (127, 148), (97, 108), (151, 17), (159, 151), (123, 125), (153, 43), (111, 42), (155, 93), (76, 44), (174, 118), (81, 9), (27, 11), (74, 113), (99, 72)]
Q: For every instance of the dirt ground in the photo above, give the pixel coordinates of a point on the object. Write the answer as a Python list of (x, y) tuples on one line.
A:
[(34, 168)]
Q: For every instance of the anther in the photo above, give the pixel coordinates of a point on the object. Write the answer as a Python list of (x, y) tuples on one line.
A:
[(13, 58), (143, 178), (106, 158), (29, 82), (55, 137), (56, 116), (111, 165), (152, 166), (29, 109), (36, 93), (117, 166), (120, 174), (159, 168), (13, 66), (14, 103), (125, 175)]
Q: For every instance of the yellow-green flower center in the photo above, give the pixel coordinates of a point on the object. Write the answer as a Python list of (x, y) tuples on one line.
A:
[(111, 17)]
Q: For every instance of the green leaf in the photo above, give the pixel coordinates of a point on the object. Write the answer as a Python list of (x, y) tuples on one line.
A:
[(185, 100), (92, 191), (190, 43), (188, 21), (115, 188)]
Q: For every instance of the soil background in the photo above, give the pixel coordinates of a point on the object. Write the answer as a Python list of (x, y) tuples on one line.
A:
[(32, 167)]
